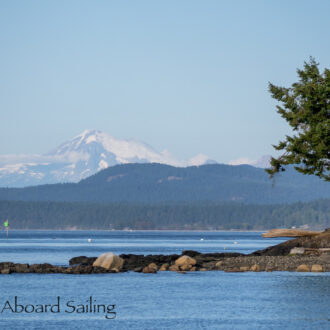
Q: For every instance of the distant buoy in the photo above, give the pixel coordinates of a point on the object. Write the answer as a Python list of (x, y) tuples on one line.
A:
[(202, 239), (224, 248), (235, 242), (89, 240)]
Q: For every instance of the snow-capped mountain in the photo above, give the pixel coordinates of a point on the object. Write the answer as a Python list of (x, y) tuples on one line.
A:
[(262, 162), (84, 155)]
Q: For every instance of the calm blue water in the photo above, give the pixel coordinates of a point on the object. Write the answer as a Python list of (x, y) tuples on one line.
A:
[(200, 300), (57, 247)]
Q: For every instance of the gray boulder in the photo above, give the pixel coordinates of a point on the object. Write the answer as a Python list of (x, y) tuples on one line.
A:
[(109, 261)]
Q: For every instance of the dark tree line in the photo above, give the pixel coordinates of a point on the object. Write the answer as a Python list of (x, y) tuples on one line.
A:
[(198, 216)]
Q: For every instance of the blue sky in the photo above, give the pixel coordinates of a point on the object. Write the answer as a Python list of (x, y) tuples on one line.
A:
[(187, 76)]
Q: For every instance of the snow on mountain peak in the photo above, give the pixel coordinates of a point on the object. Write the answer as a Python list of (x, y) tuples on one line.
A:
[(84, 155), (262, 162), (124, 151), (198, 160)]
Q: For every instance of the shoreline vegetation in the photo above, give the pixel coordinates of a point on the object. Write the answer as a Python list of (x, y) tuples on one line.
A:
[(146, 230), (201, 216), (149, 230), (302, 254)]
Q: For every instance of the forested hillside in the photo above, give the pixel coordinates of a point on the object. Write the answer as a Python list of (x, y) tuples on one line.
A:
[(199, 216), (154, 183)]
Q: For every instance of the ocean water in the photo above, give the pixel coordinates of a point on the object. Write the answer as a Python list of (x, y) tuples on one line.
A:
[(167, 300)]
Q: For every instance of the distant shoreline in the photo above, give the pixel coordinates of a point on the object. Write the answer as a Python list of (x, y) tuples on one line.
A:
[(147, 230), (188, 217)]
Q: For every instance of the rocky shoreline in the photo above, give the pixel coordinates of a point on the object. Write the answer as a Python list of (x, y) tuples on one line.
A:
[(303, 254), (190, 261)]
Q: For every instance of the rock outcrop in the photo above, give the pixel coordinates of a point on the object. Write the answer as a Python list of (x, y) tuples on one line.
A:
[(109, 261), (185, 261), (290, 233), (317, 268), (82, 260), (316, 242), (254, 268), (303, 268), (150, 269), (310, 253)]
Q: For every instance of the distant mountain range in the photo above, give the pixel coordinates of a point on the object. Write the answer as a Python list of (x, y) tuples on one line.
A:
[(157, 183), (84, 155)]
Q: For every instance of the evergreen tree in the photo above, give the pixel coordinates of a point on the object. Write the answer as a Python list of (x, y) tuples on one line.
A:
[(306, 107)]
